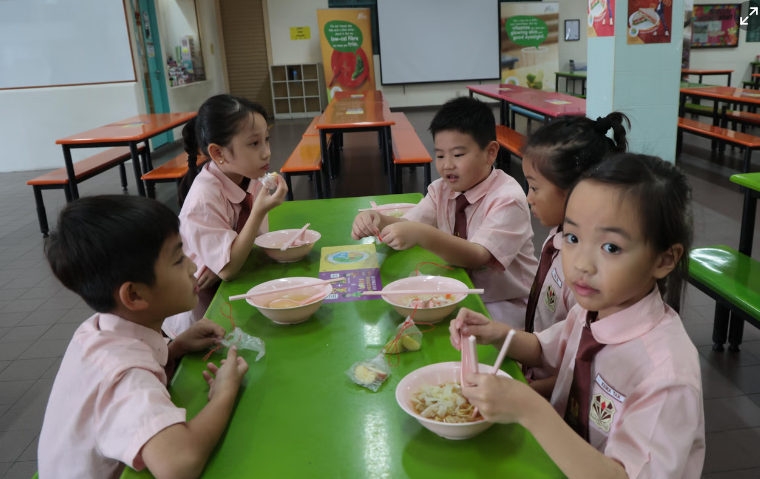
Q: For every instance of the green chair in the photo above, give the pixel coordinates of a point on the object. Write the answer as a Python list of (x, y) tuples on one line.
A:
[(732, 277)]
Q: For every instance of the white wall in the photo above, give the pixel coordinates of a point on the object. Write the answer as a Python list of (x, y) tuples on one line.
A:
[(284, 14), (572, 10), (736, 59)]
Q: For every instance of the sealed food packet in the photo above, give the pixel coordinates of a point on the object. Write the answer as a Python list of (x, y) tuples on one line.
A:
[(244, 341), (370, 373), (407, 337), (269, 181)]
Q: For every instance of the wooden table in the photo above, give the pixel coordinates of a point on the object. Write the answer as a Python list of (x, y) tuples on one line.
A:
[(297, 414), (356, 115), (720, 94), (537, 101), (701, 73), (756, 77), (571, 76), (755, 66), (369, 95), (129, 132)]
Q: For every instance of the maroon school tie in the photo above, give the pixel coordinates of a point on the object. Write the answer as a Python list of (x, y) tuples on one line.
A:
[(579, 401), (460, 219), (548, 253), (246, 206)]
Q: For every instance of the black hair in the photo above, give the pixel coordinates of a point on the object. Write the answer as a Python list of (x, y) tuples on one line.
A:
[(663, 196), (219, 119), (466, 115), (102, 242), (566, 147)]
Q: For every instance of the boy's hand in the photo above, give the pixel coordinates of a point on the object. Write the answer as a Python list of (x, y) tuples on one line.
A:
[(366, 223), (227, 378), (403, 235), (207, 279), (470, 323), (499, 399), (201, 335), (264, 202)]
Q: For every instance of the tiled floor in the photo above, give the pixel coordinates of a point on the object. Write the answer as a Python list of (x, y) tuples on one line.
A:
[(38, 316)]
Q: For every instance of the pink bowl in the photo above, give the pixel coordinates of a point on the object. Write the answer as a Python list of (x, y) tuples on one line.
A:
[(273, 241), (294, 315), (432, 283), (437, 374)]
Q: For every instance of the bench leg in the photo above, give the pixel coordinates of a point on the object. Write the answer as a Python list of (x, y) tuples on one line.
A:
[(67, 193), (747, 159), (427, 176), (136, 167), (735, 333), (289, 196), (318, 184), (149, 185), (398, 186), (123, 173), (720, 326), (41, 215), (679, 142)]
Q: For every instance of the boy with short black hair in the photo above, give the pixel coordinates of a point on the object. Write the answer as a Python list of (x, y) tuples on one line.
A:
[(109, 405), (474, 216)]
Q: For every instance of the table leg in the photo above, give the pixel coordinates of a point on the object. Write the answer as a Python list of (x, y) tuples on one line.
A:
[(583, 86), (700, 78), (506, 115), (716, 122), (556, 83), (70, 171), (470, 93), (748, 223), (325, 159), (148, 158), (136, 167), (682, 106), (729, 80), (387, 154)]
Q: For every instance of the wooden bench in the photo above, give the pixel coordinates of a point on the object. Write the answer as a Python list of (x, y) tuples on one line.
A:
[(731, 277), (408, 151), (749, 142), (173, 170), (402, 122), (306, 159), (83, 170), (511, 143)]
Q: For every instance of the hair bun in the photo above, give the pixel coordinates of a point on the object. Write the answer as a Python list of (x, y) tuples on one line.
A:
[(603, 125)]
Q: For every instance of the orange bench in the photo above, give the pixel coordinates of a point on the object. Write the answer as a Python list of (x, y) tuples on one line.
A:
[(83, 170), (408, 151), (173, 170), (306, 159), (513, 142), (749, 142), (402, 122)]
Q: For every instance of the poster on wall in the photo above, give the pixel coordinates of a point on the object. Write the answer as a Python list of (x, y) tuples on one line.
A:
[(529, 44), (715, 26), (601, 15), (649, 21), (345, 35)]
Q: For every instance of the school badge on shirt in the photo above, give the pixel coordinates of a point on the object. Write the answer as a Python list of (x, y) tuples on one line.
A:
[(602, 412), (550, 299)]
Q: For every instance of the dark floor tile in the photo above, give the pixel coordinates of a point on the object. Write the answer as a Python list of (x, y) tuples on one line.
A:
[(39, 293), (725, 452), (24, 333), (29, 411), (22, 369), (22, 283), (753, 473), (78, 316), (23, 305), (690, 317), (21, 470), (755, 398), (701, 335), (59, 303), (60, 331), (44, 317), (4, 466), (13, 443), (10, 294), (714, 384), (747, 379), (4, 331), (9, 320), (3, 365), (46, 349), (11, 391), (726, 360), (11, 351), (723, 414), (53, 370), (30, 453)]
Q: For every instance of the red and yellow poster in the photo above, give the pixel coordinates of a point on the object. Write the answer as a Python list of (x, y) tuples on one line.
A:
[(601, 18), (649, 21), (715, 26), (345, 35)]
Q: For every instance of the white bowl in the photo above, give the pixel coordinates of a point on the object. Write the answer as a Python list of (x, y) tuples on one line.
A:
[(432, 283), (272, 242), (435, 375), (296, 314)]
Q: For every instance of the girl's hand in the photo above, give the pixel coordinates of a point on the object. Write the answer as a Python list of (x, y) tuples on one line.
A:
[(207, 279), (201, 335), (265, 202), (227, 378), (499, 399), (366, 223), (470, 323), (402, 235)]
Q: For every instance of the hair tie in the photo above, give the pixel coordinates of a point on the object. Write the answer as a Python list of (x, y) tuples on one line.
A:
[(602, 125)]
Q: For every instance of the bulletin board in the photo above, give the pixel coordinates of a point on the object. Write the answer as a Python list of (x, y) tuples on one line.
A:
[(64, 42), (715, 26)]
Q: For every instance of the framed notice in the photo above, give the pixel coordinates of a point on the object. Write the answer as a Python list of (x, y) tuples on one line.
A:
[(715, 26), (572, 30)]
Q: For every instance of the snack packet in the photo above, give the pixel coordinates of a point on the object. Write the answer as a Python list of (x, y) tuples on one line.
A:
[(407, 337), (269, 181), (370, 373), (244, 341)]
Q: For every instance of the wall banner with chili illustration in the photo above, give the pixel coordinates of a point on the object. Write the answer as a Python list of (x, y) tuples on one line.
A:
[(649, 21), (345, 35), (601, 18)]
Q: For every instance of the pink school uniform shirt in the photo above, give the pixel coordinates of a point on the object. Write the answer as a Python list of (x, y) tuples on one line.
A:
[(498, 219), (207, 225), (646, 408), (109, 398), (556, 298)]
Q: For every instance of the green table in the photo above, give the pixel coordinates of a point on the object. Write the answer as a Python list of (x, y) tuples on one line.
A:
[(299, 416), (571, 76)]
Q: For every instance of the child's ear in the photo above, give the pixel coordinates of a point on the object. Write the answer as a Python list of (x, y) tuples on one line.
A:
[(215, 152), (133, 296), (492, 151), (667, 261)]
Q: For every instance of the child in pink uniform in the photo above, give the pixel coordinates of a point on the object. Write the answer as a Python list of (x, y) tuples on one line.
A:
[(474, 216), (219, 220), (109, 405), (628, 399), (554, 157)]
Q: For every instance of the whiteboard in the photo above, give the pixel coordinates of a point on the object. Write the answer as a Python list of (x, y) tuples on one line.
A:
[(63, 42), (438, 40)]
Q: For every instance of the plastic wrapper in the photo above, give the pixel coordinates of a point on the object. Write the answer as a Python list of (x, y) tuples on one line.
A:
[(370, 373), (406, 338), (244, 341), (269, 181)]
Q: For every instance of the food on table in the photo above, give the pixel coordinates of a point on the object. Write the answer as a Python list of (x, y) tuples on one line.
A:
[(367, 374), (444, 403), (406, 343), (292, 297), (425, 301), (410, 344)]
